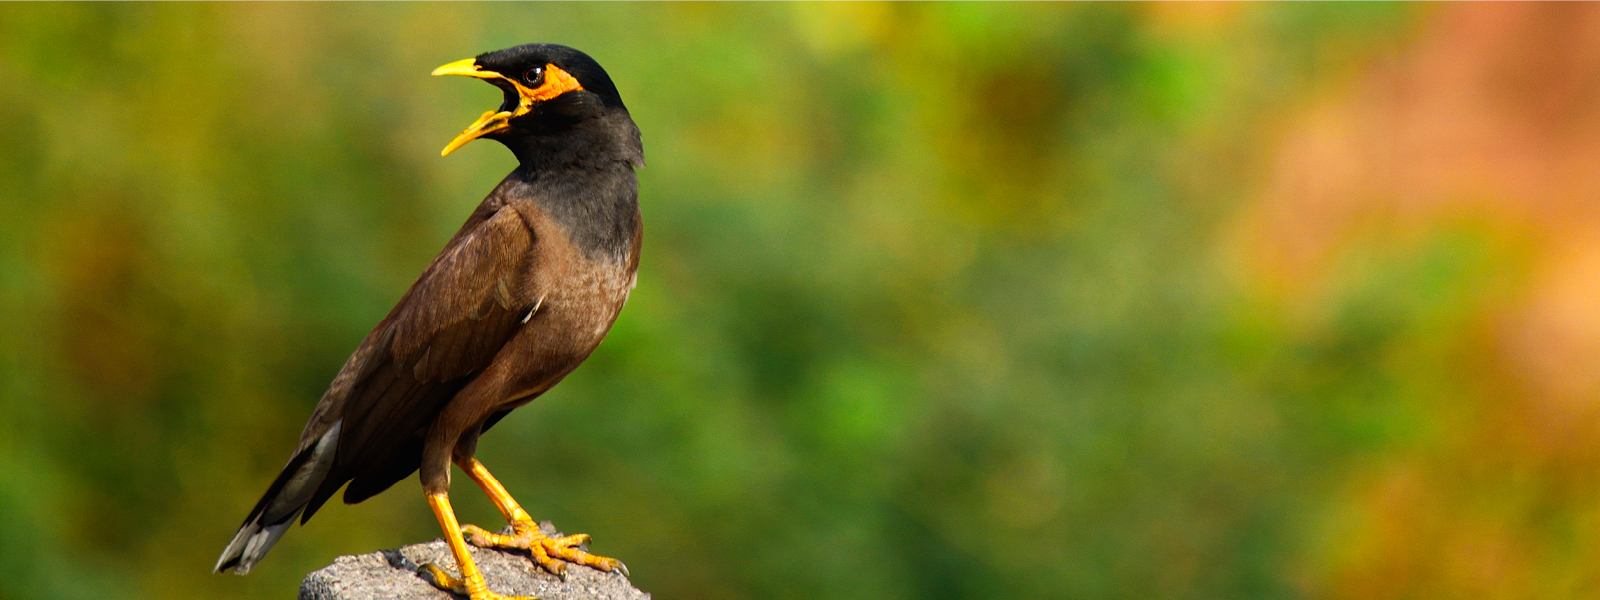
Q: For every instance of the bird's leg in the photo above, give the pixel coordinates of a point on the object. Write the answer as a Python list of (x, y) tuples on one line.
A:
[(471, 582), (525, 533)]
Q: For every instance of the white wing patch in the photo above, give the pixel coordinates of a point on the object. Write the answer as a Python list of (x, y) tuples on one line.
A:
[(535, 309)]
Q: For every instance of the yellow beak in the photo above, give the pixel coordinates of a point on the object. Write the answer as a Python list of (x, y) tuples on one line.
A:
[(555, 82), (491, 121), (467, 67)]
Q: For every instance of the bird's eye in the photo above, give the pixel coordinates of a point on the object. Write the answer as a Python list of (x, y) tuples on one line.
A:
[(534, 76)]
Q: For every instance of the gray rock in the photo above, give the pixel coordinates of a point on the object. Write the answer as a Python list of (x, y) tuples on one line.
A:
[(392, 574)]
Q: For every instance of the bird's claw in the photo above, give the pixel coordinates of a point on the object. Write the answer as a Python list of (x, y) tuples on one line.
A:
[(442, 579), (551, 553)]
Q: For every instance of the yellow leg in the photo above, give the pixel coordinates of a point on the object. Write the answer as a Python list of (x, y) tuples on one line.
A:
[(526, 535), (502, 499), (470, 582)]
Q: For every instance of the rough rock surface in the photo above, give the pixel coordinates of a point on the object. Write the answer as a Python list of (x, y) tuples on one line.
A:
[(391, 574)]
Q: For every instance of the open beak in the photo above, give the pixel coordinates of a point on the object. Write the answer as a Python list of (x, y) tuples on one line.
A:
[(490, 122), (555, 82)]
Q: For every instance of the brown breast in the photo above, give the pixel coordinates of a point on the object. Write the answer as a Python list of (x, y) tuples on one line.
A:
[(577, 299)]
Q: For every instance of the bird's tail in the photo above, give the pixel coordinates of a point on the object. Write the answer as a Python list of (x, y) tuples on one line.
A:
[(284, 500)]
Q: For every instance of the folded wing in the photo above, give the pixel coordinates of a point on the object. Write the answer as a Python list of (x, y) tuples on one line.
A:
[(446, 329)]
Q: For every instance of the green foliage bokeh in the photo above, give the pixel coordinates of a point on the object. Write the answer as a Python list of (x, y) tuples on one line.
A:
[(930, 304)]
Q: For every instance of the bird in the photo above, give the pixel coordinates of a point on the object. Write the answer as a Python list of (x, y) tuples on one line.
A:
[(518, 298)]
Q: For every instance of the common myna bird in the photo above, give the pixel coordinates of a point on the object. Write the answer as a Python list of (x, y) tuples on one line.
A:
[(518, 298)]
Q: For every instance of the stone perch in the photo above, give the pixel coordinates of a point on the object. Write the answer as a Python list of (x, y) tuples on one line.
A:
[(392, 574)]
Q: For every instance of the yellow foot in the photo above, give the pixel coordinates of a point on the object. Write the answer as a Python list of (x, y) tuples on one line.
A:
[(546, 550), (443, 580)]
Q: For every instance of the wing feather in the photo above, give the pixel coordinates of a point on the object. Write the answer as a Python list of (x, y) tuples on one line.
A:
[(446, 329)]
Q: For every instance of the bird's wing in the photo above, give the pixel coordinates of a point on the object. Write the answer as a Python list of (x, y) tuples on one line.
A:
[(447, 328)]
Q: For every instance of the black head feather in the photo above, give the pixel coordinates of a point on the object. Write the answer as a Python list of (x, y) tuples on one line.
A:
[(516, 60)]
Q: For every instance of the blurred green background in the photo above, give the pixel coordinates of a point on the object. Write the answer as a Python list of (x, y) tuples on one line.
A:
[(937, 300)]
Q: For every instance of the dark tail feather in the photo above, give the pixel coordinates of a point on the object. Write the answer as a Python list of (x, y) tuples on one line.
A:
[(278, 507)]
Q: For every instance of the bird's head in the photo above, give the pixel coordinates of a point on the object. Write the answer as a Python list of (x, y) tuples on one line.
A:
[(547, 87)]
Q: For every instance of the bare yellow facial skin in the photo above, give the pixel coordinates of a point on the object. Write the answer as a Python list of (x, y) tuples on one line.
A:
[(556, 82)]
